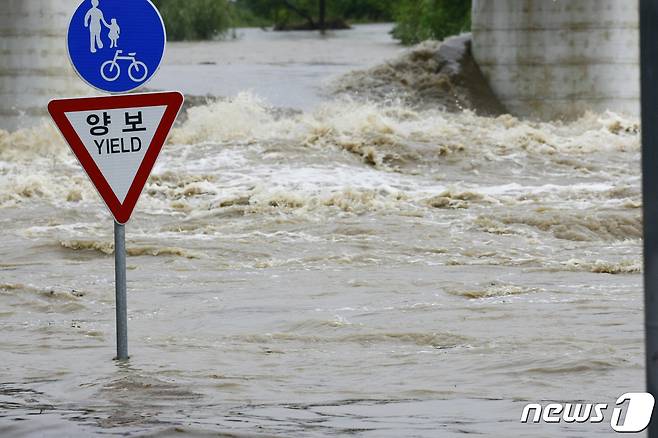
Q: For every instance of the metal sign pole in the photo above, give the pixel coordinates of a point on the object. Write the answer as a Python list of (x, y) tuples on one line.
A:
[(649, 83), (120, 283)]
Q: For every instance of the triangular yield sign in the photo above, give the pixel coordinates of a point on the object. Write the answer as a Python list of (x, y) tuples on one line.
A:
[(117, 140)]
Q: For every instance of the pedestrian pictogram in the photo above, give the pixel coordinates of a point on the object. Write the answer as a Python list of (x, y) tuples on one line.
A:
[(117, 140), (116, 46)]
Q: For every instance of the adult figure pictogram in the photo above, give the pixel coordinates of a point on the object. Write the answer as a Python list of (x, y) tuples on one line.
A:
[(93, 20)]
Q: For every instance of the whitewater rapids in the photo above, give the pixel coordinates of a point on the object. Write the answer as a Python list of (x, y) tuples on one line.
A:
[(369, 266)]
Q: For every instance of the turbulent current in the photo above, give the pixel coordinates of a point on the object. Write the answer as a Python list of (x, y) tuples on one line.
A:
[(371, 266)]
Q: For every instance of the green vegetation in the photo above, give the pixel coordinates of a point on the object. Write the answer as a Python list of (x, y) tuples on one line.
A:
[(318, 14), (194, 19), (416, 20), (419, 20), (243, 16)]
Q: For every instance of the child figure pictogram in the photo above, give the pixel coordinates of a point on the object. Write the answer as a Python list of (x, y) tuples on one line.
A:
[(114, 32)]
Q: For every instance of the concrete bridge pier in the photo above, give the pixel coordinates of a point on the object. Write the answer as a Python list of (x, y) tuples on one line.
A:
[(34, 64), (555, 59)]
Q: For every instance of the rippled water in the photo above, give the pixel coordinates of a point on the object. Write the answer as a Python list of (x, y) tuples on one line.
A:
[(365, 268)]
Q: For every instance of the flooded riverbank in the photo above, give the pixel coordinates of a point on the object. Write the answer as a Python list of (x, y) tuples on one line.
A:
[(362, 267)]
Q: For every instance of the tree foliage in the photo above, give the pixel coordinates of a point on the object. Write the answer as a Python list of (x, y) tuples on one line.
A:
[(194, 19), (286, 14), (367, 10), (419, 20), (416, 20)]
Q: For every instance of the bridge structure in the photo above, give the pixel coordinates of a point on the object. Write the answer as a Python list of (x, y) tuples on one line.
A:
[(544, 59), (556, 59), (34, 64)]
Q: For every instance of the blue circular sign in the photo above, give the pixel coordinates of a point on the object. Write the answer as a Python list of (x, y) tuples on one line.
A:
[(116, 45)]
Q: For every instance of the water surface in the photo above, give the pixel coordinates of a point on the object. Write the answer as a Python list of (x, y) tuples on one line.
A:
[(352, 268)]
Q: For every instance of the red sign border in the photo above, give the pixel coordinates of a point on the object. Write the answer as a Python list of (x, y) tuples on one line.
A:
[(57, 109)]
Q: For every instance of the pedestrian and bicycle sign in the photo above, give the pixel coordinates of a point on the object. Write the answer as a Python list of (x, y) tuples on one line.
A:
[(117, 140), (116, 45)]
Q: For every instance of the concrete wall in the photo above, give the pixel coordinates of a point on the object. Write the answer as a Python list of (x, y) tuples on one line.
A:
[(34, 65), (552, 59)]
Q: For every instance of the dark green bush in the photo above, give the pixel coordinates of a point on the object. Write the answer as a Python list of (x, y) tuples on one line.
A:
[(364, 10), (416, 20), (288, 14), (194, 19), (419, 20)]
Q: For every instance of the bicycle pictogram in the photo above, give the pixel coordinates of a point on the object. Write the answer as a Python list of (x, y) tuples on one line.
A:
[(137, 71)]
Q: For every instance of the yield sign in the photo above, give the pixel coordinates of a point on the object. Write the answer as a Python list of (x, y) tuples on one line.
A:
[(117, 140)]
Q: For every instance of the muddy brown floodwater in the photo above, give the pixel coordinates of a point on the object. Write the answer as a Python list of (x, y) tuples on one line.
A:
[(366, 267)]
